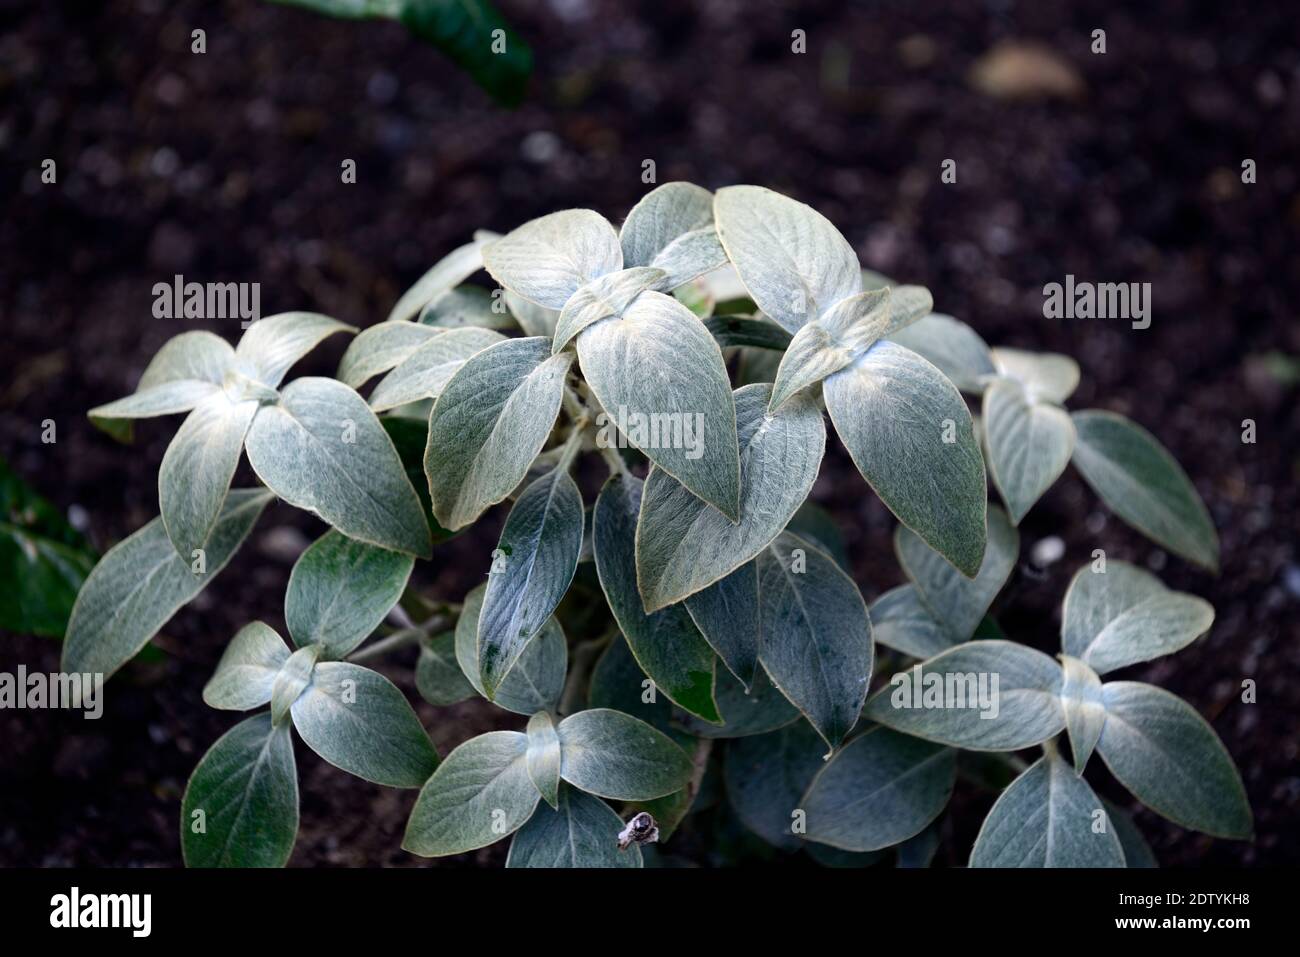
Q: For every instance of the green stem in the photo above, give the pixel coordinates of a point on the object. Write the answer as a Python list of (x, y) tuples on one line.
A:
[(405, 636), (583, 662)]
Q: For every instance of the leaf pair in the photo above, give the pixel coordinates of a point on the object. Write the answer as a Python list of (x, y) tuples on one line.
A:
[(644, 355), (315, 443), (905, 425), (490, 786)]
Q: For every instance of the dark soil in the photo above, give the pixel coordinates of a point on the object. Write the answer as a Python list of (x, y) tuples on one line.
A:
[(225, 167)]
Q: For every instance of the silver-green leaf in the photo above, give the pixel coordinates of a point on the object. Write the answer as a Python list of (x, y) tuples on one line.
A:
[(1085, 711), (425, 372), (951, 345), (358, 720), (247, 670), (538, 555), (453, 269), (1172, 761), (141, 582), (981, 695), (830, 342), (380, 348), (815, 640), (1141, 483), (322, 449), (726, 613), (766, 777), (910, 435), (614, 755), (900, 620), (340, 590), (791, 258), (683, 545), (479, 794), (272, 345), (1124, 615), (1029, 444), (240, 807), (658, 366), (544, 757), (488, 425), (1045, 376), (602, 298), (879, 790), (1047, 817), (546, 259)]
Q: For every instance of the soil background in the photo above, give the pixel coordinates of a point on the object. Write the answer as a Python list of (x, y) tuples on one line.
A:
[(1115, 167)]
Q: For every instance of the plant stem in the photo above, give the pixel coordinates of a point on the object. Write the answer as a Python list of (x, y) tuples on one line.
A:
[(403, 637)]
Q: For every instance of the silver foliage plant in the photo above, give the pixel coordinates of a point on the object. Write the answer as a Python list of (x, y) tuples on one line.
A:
[(713, 626)]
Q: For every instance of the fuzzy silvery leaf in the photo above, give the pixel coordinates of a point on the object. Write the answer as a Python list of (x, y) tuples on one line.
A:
[(321, 449), (1045, 376), (197, 468), (657, 365), (340, 590), (907, 305), (684, 545), (165, 398), (663, 217), (959, 603), (757, 333), (1172, 761), (380, 348), (830, 342), (604, 297), (272, 345), (1124, 616), (358, 720), (616, 756), (438, 677), (535, 320), (791, 258), (488, 425), (537, 679), (666, 644), (726, 613), (292, 680), (875, 280), (952, 698), (1029, 444), (453, 269), (900, 620), (141, 582), (480, 793), (910, 434), (1085, 712), (879, 790), (582, 831), (690, 256), (195, 356), (1141, 483), (1137, 852), (1048, 817), (410, 438), (538, 555), (544, 757), (951, 345), (245, 793), (815, 640), (466, 307), (757, 365), (744, 713), (426, 371), (766, 777), (545, 260), (247, 670)]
